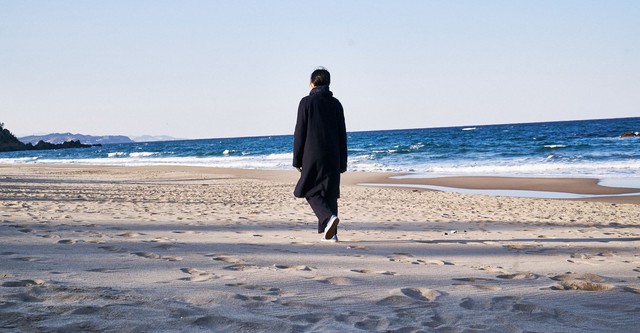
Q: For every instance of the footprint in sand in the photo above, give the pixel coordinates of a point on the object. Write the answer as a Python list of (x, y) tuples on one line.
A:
[(107, 270), (210, 321), (225, 258), (501, 303), (586, 281), (188, 232), (50, 236), (67, 241), (29, 259), (582, 256), (27, 297), (86, 310), (366, 271), (258, 298), (130, 234), (585, 258), (421, 294), (197, 275), (115, 249), (151, 255), (522, 247), (242, 267), (440, 262), (293, 268), (396, 300), (511, 304), (476, 286), (444, 321), (285, 251), (472, 279), (165, 247), (338, 281), (148, 255), (162, 240), (406, 258), (490, 269), (519, 276), (372, 324), (579, 276), (23, 283), (269, 290), (581, 262), (633, 289), (582, 285)]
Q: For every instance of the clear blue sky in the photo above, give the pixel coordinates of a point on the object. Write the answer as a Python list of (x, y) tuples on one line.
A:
[(203, 69)]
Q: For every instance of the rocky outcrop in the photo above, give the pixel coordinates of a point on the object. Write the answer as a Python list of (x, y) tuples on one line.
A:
[(8, 142), (629, 134)]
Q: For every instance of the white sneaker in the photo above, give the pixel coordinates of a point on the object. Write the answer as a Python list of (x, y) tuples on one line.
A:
[(332, 227), (334, 239)]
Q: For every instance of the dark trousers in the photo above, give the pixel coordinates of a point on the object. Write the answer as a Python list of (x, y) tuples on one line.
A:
[(323, 207)]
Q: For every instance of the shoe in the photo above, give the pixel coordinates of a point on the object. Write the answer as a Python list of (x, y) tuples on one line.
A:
[(334, 239), (332, 227)]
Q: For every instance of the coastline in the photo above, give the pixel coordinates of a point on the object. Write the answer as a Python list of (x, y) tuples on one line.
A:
[(586, 189), (201, 249)]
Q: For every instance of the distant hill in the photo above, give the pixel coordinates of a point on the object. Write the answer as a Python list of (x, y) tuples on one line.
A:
[(58, 138), (8, 142)]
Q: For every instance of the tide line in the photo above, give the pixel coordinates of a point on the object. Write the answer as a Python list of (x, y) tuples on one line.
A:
[(505, 193)]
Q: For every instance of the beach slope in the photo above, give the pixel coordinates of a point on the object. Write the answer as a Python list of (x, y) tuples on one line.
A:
[(164, 249)]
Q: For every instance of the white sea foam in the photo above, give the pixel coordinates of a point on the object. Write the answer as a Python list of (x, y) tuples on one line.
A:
[(367, 163), (593, 169), (142, 154), (19, 160), (267, 162)]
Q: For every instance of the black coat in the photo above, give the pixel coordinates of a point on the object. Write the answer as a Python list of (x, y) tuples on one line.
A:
[(320, 144)]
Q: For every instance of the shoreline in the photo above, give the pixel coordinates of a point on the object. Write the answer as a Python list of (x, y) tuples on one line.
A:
[(586, 189)]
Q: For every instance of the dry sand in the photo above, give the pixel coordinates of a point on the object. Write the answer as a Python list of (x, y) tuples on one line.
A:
[(166, 249)]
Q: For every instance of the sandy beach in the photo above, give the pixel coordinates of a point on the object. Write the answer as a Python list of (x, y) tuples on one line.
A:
[(187, 249)]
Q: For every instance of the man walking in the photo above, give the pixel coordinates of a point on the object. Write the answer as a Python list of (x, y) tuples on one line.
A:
[(320, 152)]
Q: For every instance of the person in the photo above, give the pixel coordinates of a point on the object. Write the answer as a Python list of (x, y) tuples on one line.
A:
[(320, 152)]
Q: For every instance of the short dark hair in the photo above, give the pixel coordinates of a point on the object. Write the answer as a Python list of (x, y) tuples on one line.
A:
[(320, 77)]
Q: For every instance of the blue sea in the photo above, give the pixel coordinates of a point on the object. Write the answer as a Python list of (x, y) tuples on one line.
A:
[(586, 148)]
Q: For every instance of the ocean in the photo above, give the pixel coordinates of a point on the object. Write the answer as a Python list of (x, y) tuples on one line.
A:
[(584, 148)]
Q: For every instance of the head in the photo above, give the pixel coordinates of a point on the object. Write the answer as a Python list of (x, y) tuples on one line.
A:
[(320, 77)]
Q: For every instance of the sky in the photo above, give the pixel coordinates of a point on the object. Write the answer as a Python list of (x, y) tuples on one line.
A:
[(213, 69)]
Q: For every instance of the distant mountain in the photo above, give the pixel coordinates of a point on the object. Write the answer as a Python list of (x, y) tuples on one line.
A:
[(58, 138), (8, 142), (154, 138)]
